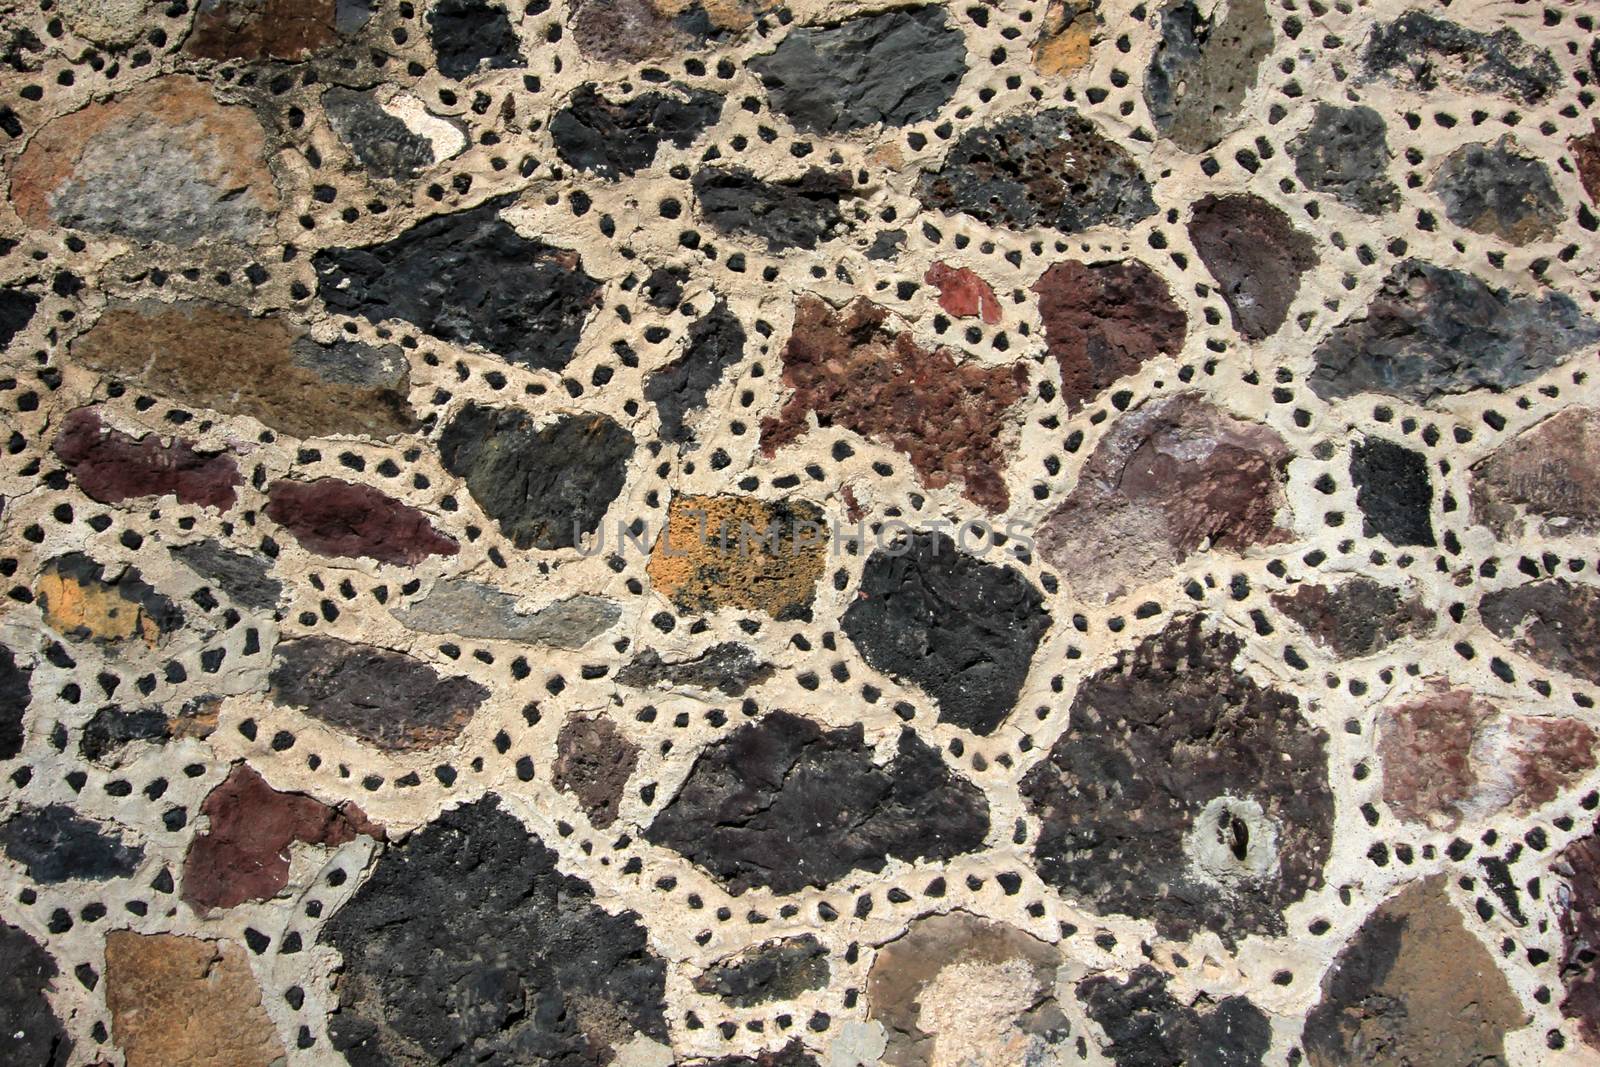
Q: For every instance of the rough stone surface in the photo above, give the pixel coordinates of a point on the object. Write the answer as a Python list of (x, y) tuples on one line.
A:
[(337, 518), (1545, 480), (728, 668), (1553, 622), (1421, 51), (83, 601), (963, 293), (613, 139), (111, 730), (266, 29), (1066, 37), (628, 31), (471, 609), (111, 466), (1586, 154), (1170, 753), (1102, 321), (799, 212), (30, 1031), (1357, 617), (245, 579), (1579, 917), (1145, 1024), (55, 844), (720, 552), (593, 763), (1498, 189), (1345, 151), (1393, 491), (15, 694), (1256, 256), (780, 970), (783, 804), (1202, 68), (472, 35), (715, 345), (383, 142)]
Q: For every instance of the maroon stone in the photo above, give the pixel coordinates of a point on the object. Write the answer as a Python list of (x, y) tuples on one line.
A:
[(1103, 320), (337, 518), (1580, 931), (1255, 255), (110, 465)]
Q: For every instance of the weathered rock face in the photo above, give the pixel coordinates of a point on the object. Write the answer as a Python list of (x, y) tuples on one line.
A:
[(384, 698), (1357, 617), (570, 981), (472, 35), (1184, 792), (470, 279), (1066, 38), (946, 416), (471, 609), (893, 67), (627, 31), (1498, 190), (1431, 331), (1449, 756), (794, 213), (183, 1002), (611, 139), (778, 970), (594, 761), (244, 854), (271, 29), (1393, 491), (956, 989), (1420, 50), (221, 358), (1102, 321), (111, 466), (1586, 155), (382, 141), (1554, 622), (164, 162), (112, 730), (1201, 70), (1255, 255), (963, 293), (1413, 986), (15, 694), (793, 1054), (1146, 1024), (1579, 915), (715, 346), (1167, 479), (30, 1031), (337, 518), (728, 668), (112, 23), (1345, 151), (55, 844), (80, 601), (246, 580), (962, 629), (741, 811), (719, 552), (1544, 481), (547, 486), (1046, 169)]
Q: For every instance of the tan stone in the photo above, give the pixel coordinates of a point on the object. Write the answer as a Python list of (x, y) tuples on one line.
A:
[(715, 553)]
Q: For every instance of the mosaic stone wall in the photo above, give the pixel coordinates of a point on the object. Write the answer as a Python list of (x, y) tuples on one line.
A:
[(652, 532)]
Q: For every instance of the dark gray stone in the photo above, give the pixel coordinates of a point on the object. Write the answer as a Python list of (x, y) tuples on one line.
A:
[(31, 1034), (1496, 189), (715, 346), (15, 694), (783, 804), (894, 67), (1255, 255), (472, 34), (1554, 622), (1393, 491), (1420, 50), (781, 970), (1345, 151), (468, 278), (386, 145), (887, 244), (1201, 71), (245, 579), (353, 363), (112, 729), (350, 15), (610, 139), (1431, 331), (728, 668), (1146, 1026), (16, 311), (797, 213), (55, 844), (1356, 618), (664, 287)]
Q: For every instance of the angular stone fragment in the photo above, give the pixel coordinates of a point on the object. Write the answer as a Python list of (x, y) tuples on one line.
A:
[(221, 358), (963, 294), (55, 844), (1498, 190), (719, 552), (15, 694), (470, 609), (1184, 792), (1586, 155), (1393, 491), (1554, 622), (1167, 481), (894, 67), (854, 372), (30, 1031), (186, 1002), (1345, 151), (80, 601), (1043, 169), (609, 139), (594, 761), (955, 989), (1255, 255), (245, 579), (962, 629), (782, 803), (1413, 986), (270, 29), (728, 668), (779, 970), (468, 945), (627, 31), (244, 853), (112, 729), (111, 466), (1419, 50), (393, 701), (1431, 331), (1145, 1024), (1102, 321), (1357, 617), (1578, 911), (337, 518), (162, 162), (1545, 481), (1201, 70), (16, 311), (793, 213), (380, 140), (547, 486), (715, 346), (1066, 37), (471, 279), (469, 35)]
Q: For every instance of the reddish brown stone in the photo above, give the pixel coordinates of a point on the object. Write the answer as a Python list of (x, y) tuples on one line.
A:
[(262, 29), (1257, 257), (1579, 912), (1548, 472), (1355, 618), (1103, 320), (338, 518), (594, 762), (946, 416), (1586, 154), (1555, 623), (109, 465), (962, 293), (244, 855)]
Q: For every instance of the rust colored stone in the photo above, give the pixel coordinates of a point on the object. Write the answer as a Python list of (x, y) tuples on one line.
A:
[(337, 518), (946, 416), (1586, 155), (719, 552), (594, 762), (1066, 37), (262, 29), (963, 294), (1102, 321), (1547, 473), (221, 358), (111, 466), (244, 855)]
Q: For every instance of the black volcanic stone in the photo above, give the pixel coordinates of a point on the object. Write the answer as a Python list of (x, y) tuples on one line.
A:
[(56, 844), (1393, 491), (798, 213), (610, 139), (782, 970), (1423, 49), (1345, 151), (113, 729), (715, 345), (14, 697), (1147, 1026), (469, 34), (16, 311), (387, 146), (31, 1034)]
